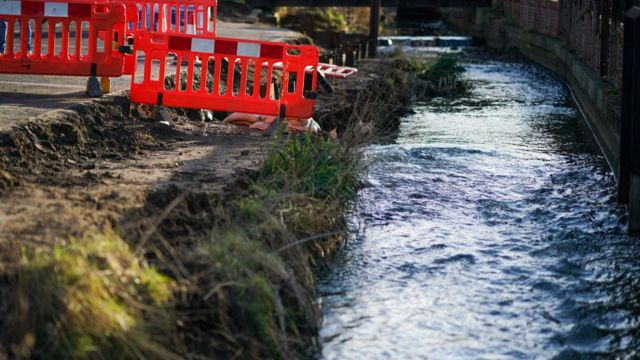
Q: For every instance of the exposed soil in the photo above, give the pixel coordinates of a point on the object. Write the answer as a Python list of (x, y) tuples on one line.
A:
[(91, 168), (107, 165)]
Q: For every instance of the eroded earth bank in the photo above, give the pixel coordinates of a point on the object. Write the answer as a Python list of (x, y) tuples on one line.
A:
[(122, 237)]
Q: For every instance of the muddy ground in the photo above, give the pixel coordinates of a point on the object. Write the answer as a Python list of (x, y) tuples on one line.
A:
[(88, 169), (106, 165)]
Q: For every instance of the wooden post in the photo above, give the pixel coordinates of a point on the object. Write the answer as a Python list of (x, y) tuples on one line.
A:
[(629, 172), (374, 27)]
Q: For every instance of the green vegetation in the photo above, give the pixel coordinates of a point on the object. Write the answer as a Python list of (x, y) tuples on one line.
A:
[(444, 66), (440, 76), (349, 20), (315, 166), (312, 20), (90, 298)]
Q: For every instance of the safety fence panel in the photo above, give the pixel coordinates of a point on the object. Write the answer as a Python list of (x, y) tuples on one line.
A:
[(75, 38), (193, 17), (221, 74)]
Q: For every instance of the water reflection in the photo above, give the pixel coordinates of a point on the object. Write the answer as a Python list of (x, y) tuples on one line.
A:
[(491, 231)]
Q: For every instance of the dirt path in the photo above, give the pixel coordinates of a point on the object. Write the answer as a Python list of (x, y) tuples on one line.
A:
[(89, 171)]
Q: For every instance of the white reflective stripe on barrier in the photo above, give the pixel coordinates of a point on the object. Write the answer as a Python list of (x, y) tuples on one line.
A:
[(44, 9), (246, 49), (54, 9), (226, 47), (203, 45), (10, 8)]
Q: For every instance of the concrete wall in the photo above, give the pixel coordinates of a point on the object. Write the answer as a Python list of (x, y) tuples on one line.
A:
[(598, 99)]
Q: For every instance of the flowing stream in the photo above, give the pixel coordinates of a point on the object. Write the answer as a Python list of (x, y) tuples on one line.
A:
[(490, 231)]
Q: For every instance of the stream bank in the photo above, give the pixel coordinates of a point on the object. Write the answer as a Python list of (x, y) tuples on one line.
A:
[(194, 205)]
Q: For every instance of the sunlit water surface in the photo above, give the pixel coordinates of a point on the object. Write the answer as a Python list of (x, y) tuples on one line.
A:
[(490, 231)]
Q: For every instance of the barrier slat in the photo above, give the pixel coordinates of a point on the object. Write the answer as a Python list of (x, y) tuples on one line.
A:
[(106, 21), (280, 87)]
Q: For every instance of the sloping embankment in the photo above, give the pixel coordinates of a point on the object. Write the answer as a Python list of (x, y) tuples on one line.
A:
[(174, 197)]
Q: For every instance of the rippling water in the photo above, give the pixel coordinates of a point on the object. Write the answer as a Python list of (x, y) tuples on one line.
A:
[(490, 231)]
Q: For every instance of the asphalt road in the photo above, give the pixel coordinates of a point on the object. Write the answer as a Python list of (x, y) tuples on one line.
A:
[(23, 97)]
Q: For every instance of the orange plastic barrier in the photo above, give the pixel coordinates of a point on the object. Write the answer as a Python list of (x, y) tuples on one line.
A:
[(194, 17), (58, 47), (239, 75)]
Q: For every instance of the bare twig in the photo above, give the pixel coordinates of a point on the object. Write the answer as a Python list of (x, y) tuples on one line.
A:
[(312, 238)]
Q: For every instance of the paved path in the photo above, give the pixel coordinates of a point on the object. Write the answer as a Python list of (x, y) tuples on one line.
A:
[(23, 97)]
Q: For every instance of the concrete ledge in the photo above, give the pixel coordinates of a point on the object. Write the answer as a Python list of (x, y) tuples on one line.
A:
[(597, 98)]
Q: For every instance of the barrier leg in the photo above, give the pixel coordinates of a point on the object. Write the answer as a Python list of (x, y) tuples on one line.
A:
[(93, 85), (161, 114)]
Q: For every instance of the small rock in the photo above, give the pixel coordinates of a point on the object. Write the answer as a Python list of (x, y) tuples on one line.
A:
[(71, 161)]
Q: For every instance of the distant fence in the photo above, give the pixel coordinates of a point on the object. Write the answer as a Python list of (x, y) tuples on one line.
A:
[(593, 28)]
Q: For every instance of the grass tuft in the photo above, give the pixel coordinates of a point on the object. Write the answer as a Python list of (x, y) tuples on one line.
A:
[(314, 166), (244, 285), (90, 298), (444, 66), (440, 76)]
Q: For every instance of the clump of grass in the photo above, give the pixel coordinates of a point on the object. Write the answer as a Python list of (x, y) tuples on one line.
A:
[(398, 52), (247, 302), (315, 166), (305, 188), (89, 299), (440, 76), (445, 65)]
